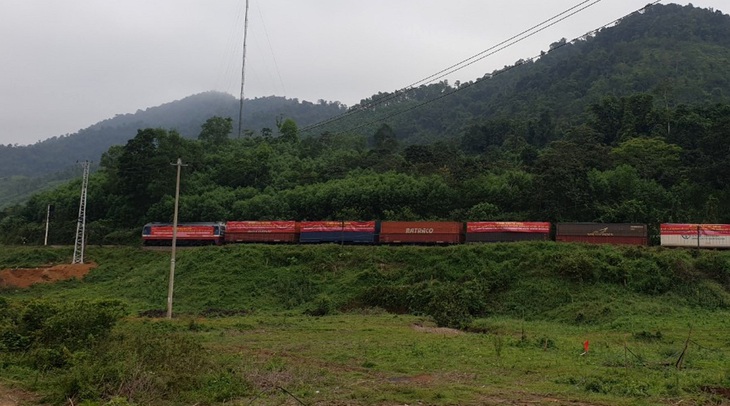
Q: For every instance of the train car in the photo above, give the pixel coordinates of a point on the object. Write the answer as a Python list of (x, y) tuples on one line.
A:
[(603, 233), (341, 232), (695, 235), (506, 231), (421, 232), (187, 233), (262, 232)]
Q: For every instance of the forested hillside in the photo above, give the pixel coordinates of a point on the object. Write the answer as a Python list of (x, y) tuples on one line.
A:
[(646, 150), (616, 168), (677, 54), (25, 170), (184, 116)]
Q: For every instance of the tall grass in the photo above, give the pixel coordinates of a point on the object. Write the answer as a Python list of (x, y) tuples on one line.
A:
[(529, 280), (528, 308)]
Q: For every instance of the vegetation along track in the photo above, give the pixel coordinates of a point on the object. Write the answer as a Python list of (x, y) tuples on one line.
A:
[(330, 324)]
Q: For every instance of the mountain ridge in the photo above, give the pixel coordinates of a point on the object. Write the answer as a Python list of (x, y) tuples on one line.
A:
[(674, 53), (185, 116)]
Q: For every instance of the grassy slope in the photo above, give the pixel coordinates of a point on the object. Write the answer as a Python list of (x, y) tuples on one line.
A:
[(561, 282), (635, 306)]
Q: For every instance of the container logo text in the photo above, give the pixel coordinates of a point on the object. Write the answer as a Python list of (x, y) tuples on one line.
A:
[(417, 230), (601, 232)]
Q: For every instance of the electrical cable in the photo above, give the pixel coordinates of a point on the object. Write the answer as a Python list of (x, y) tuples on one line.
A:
[(460, 65), (470, 84), (468, 61), (271, 51)]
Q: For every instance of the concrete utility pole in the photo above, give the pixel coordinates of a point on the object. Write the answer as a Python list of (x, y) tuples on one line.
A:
[(48, 220), (81, 223), (171, 283), (243, 72)]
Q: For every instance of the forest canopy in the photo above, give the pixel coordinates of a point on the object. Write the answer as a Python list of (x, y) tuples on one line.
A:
[(665, 165), (631, 124)]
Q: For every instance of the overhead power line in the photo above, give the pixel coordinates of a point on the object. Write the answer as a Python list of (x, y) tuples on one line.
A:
[(471, 60), (271, 51), (464, 63), (468, 85)]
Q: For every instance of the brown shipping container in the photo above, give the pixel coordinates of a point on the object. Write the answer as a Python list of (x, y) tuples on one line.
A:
[(424, 232), (602, 233)]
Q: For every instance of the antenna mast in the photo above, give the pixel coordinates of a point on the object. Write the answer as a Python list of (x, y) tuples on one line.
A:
[(243, 72), (81, 223)]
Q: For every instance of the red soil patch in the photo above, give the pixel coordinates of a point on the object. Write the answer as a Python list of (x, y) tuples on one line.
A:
[(23, 278)]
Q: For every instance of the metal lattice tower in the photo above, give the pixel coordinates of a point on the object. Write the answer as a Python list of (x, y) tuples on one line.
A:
[(81, 224)]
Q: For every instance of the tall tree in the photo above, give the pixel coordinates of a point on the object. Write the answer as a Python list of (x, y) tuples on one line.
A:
[(216, 130), (652, 158), (144, 167), (384, 140), (289, 131)]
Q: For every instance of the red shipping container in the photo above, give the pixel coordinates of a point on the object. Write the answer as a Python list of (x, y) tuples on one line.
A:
[(344, 226), (262, 231), (507, 227), (506, 231), (423, 232), (161, 233)]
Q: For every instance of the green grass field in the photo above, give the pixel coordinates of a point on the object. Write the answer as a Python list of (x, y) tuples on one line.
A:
[(332, 325)]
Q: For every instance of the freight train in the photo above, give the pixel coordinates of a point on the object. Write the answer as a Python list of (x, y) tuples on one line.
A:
[(432, 232)]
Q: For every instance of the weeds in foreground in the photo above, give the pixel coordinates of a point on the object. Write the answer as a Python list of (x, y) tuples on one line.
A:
[(314, 321)]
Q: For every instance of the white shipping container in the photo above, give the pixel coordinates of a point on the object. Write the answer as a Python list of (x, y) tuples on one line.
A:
[(686, 235), (706, 241)]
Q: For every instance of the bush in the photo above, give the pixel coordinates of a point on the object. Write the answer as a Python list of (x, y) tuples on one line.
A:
[(455, 305), (715, 266), (393, 298), (645, 276), (79, 324), (322, 306), (141, 363), (46, 334)]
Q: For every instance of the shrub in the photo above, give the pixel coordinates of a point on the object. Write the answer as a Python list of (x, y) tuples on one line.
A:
[(393, 298), (141, 363), (579, 266), (647, 336), (645, 276), (321, 306), (715, 266), (78, 324), (455, 305), (51, 328)]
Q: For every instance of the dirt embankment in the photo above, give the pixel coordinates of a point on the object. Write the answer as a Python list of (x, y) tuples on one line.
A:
[(25, 277)]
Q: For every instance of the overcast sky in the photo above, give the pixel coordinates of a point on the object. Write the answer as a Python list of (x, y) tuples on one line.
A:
[(69, 64)]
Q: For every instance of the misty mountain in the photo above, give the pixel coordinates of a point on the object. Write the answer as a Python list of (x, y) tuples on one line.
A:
[(185, 116), (677, 54)]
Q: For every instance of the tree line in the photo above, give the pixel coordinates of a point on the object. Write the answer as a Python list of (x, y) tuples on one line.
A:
[(633, 160)]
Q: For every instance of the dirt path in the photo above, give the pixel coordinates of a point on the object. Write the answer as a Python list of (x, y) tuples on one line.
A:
[(16, 397), (25, 277)]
